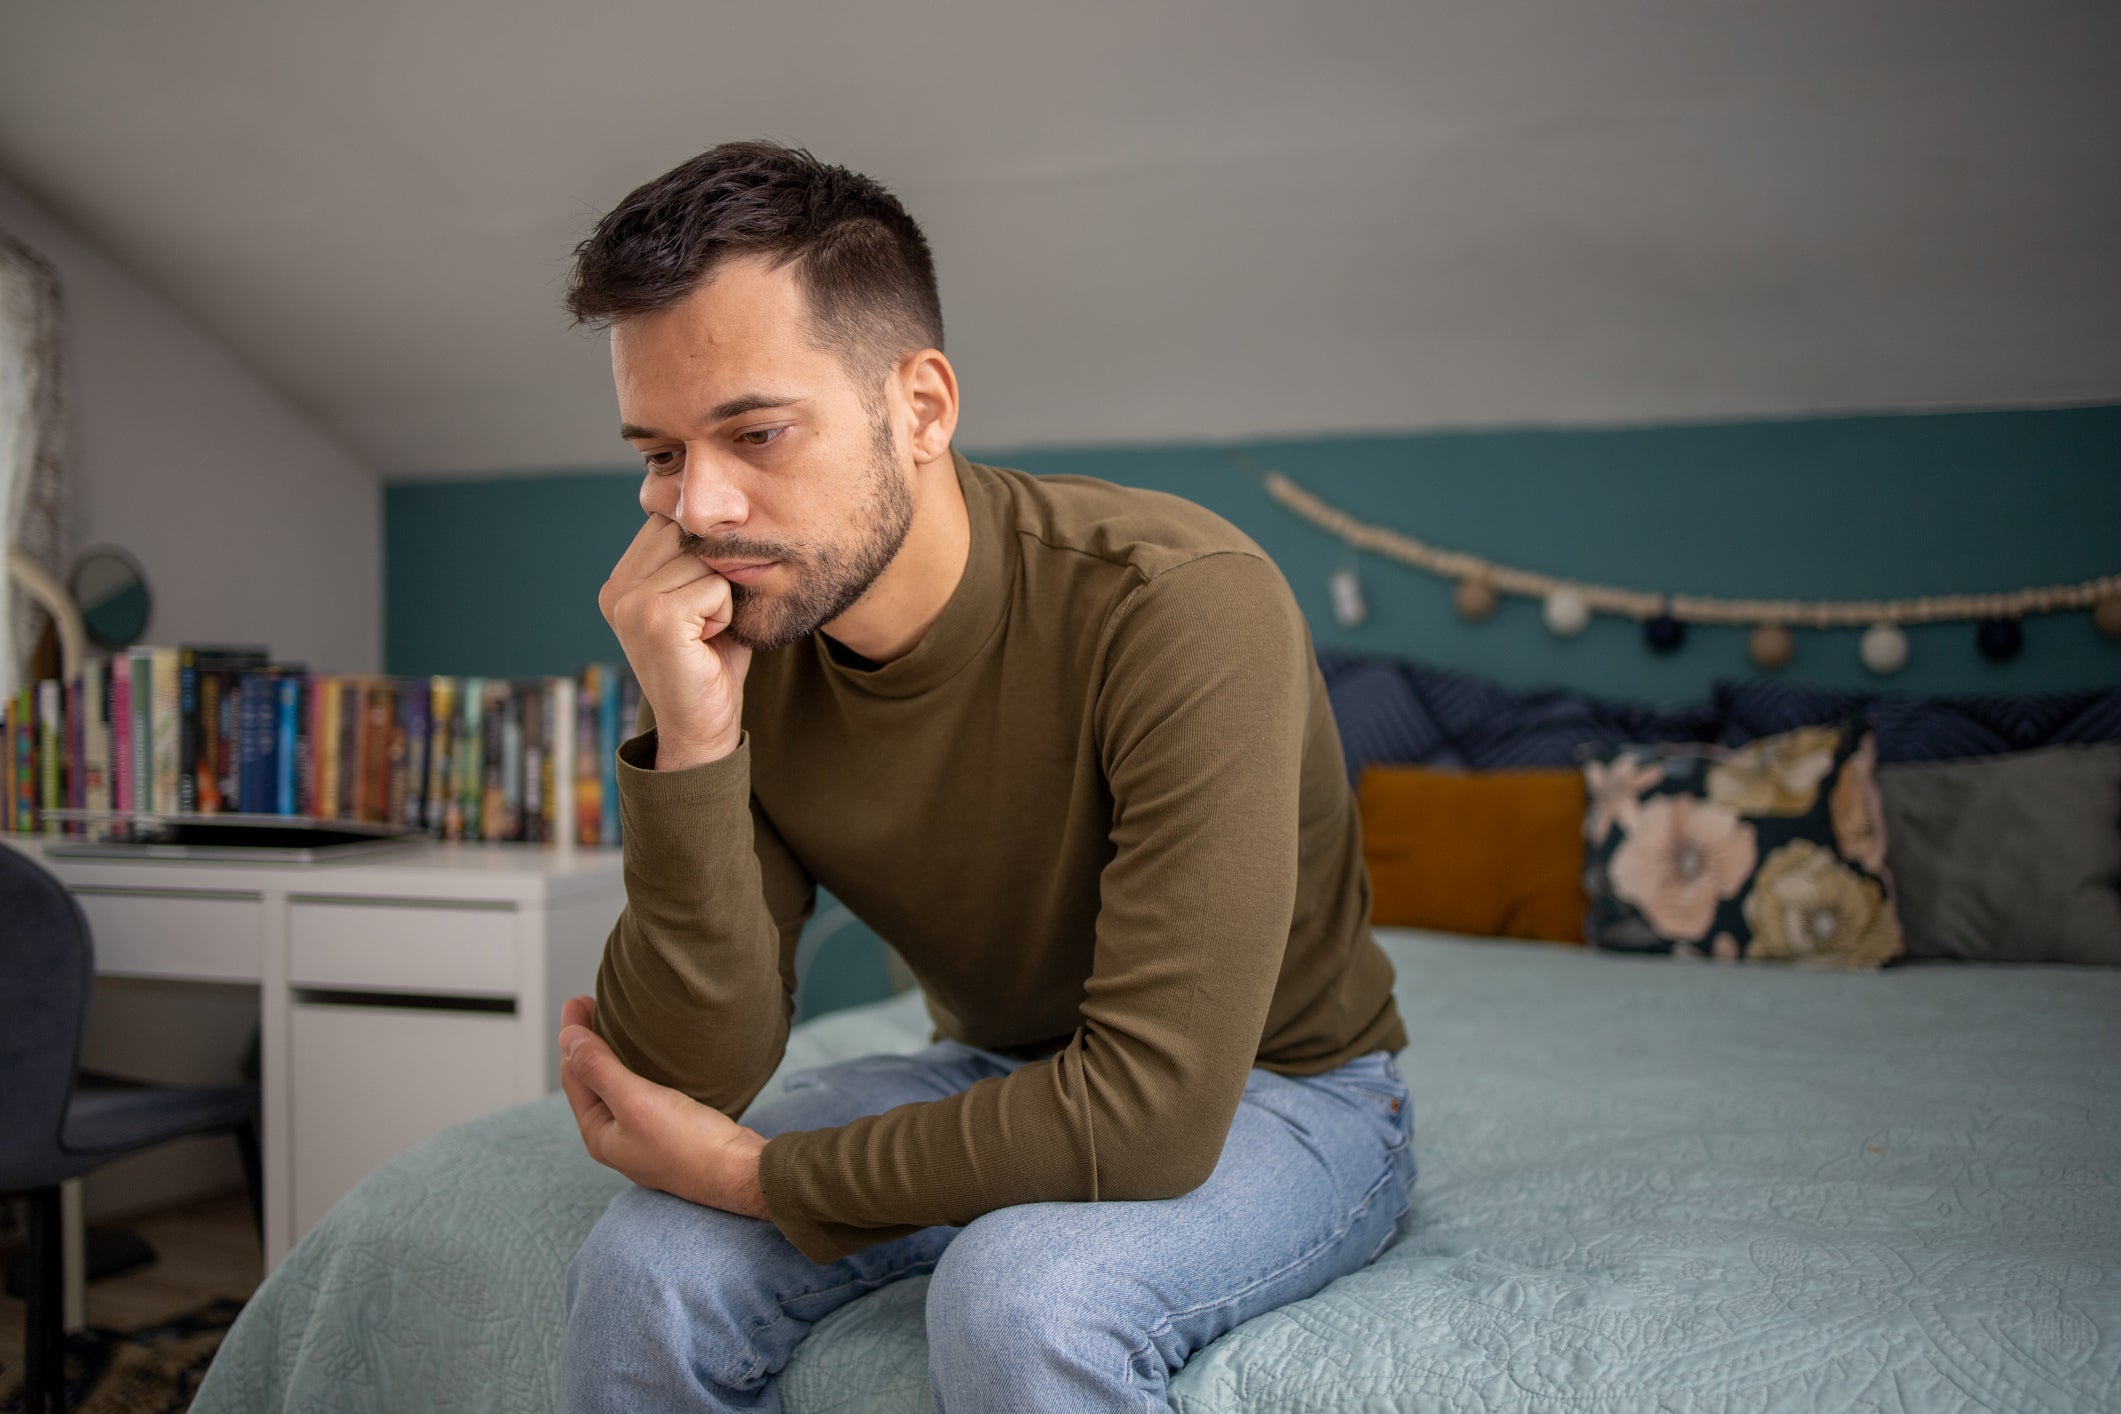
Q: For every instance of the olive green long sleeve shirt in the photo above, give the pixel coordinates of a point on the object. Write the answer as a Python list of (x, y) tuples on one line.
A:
[(1101, 811)]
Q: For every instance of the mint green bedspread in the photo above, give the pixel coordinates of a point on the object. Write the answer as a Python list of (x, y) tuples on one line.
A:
[(1645, 1185)]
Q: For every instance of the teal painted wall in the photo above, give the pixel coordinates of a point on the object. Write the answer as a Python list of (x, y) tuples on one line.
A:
[(499, 575)]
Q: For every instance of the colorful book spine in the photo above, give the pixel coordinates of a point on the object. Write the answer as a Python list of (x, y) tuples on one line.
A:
[(49, 721), (228, 761), (247, 743), (442, 708), (22, 760), (187, 755), (142, 698), (95, 733), (76, 758), (121, 730), (417, 728), (511, 761), (534, 756), (561, 702), (588, 781), (164, 711), (607, 756), (326, 748), (493, 811), (375, 751), (398, 757), (206, 747), (311, 787), (285, 759), (471, 782), (349, 749)]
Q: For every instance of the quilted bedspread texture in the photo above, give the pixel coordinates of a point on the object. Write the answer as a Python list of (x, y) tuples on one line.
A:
[(1644, 1185)]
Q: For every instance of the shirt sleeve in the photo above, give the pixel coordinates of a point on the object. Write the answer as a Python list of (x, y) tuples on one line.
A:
[(697, 983), (1200, 717)]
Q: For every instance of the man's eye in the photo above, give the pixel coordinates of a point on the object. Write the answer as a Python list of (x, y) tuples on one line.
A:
[(761, 436), (659, 461)]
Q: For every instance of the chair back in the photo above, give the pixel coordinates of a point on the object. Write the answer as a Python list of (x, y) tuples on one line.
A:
[(47, 967)]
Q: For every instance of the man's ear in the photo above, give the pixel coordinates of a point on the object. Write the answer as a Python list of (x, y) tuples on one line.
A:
[(928, 386)]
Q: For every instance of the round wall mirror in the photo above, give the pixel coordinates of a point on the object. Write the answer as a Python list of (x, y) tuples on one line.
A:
[(111, 589)]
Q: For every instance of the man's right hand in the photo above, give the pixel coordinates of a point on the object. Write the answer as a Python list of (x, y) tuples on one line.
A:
[(668, 609)]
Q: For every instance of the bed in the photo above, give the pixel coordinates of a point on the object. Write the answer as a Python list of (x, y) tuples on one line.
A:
[(1645, 1184)]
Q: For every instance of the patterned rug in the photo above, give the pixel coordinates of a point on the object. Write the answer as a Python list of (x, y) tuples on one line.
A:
[(153, 1370)]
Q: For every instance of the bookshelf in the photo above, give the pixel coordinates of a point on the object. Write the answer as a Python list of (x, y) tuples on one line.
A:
[(153, 736)]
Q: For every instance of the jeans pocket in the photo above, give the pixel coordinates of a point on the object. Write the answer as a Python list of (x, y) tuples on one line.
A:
[(1373, 1080)]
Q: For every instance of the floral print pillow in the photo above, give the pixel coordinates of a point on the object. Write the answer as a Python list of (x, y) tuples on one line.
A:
[(1771, 850)]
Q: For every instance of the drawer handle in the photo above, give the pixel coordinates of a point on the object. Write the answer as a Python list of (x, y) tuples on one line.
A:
[(417, 1001)]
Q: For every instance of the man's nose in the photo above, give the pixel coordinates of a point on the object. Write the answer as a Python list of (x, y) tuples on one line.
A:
[(707, 500)]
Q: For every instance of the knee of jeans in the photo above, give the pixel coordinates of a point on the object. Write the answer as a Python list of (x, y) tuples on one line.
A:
[(620, 1254), (1015, 1275), (650, 1250)]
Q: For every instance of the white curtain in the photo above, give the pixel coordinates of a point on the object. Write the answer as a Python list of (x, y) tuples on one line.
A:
[(31, 429)]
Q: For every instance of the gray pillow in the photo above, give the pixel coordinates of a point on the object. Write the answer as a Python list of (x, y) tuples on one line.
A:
[(2011, 858)]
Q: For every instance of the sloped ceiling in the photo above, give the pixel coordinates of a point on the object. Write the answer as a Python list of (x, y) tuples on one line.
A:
[(1153, 221)]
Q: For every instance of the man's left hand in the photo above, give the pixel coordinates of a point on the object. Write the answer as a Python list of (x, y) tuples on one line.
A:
[(658, 1137)]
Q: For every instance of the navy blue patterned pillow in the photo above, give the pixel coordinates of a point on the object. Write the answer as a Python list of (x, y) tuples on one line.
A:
[(1380, 716), (1395, 711), (1915, 728)]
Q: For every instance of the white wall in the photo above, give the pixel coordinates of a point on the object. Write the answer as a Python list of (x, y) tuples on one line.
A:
[(254, 525), (1193, 220)]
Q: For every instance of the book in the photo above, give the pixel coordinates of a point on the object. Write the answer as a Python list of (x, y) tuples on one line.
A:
[(397, 749), (417, 729), (123, 738), (563, 767), (162, 722), (284, 749), (49, 722), (441, 714), (607, 756), (95, 733), (228, 750), (471, 756), (536, 691), (21, 760), (75, 763), (141, 681), (588, 781), (187, 728)]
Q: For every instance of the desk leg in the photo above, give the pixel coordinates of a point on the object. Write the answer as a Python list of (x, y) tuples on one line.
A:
[(73, 1259), (276, 1132)]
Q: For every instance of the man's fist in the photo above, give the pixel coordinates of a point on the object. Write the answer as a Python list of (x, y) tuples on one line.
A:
[(669, 610)]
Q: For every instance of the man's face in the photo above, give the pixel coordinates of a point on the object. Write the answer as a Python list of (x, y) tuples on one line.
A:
[(764, 449)]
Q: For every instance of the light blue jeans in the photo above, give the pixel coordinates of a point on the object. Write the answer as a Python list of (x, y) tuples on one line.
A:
[(1039, 1307)]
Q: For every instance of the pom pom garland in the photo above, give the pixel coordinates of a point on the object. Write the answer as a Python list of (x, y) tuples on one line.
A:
[(1569, 605), (1566, 613)]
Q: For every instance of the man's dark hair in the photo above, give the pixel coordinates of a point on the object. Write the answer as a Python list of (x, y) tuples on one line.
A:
[(859, 258)]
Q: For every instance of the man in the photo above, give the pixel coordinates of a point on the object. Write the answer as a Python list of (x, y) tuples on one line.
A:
[(1063, 743)]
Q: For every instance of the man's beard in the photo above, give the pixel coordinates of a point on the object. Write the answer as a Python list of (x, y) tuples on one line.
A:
[(826, 579)]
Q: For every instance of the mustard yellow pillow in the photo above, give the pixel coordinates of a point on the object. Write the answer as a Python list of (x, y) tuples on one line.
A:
[(1491, 853)]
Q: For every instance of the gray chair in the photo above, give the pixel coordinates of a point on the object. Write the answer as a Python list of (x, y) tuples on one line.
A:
[(56, 1123)]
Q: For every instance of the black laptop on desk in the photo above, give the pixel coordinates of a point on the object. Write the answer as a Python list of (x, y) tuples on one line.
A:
[(273, 839)]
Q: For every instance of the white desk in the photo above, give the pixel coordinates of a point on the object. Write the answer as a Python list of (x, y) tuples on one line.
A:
[(397, 994)]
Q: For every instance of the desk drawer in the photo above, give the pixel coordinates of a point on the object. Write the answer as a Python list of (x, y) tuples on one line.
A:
[(370, 1081), (450, 950), (175, 932)]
